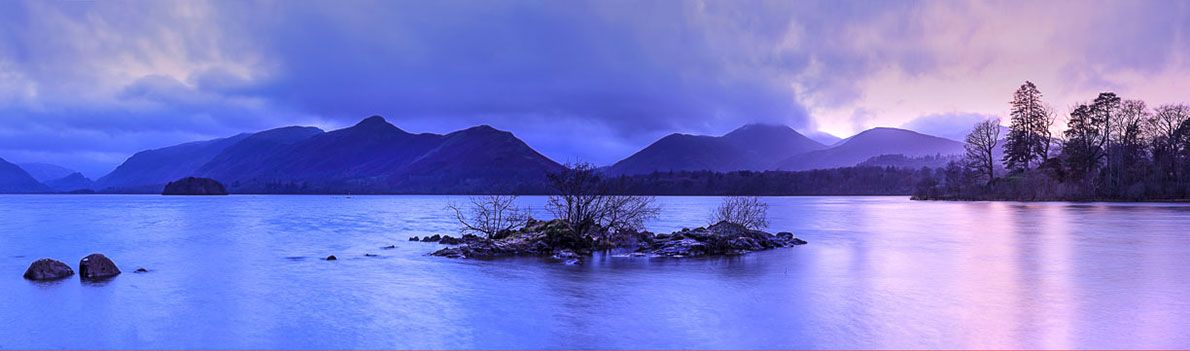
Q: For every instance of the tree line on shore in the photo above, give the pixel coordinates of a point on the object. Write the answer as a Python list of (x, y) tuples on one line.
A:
[(1111, 149)]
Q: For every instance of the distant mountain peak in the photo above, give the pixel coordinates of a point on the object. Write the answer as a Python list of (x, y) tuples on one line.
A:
[(761, 125), (763, 130), (890, 131), (823, 138), (482, 128), (871, 143), (45, 172), (753, 146), (373, 120), (375, 125), (74, 181)]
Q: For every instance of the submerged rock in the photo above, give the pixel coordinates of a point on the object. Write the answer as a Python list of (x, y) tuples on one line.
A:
[(390, 247), (414, 238), (194, 186), (431, 239), (141, 270), (97, 266), (48, 269), (331, 258), (567, 257), (450, 252)]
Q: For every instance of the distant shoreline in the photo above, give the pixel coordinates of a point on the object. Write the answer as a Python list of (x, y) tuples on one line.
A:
[(917, 198), (907, 196), (479, 194)]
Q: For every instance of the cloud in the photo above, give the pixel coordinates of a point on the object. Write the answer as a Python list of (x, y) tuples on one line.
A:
[(946, 125), (591, 80)]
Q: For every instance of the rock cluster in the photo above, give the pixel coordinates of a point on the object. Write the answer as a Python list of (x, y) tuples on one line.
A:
[(722, 238), (553, 239), (93, 267), (441, 239)]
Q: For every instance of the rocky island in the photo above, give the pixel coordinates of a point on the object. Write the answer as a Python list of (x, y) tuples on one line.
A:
[(194, 186), (592, 215), (555, 239)]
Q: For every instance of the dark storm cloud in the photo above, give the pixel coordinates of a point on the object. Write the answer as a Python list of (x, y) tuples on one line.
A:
[(631, 65)]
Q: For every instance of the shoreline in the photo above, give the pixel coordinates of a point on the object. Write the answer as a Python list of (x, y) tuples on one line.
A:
[(1094, 200), (909, 197)]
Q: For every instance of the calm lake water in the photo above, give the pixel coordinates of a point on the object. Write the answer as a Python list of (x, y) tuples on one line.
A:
[(879, 272)]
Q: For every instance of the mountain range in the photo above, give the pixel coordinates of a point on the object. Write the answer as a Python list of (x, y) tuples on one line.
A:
[(375, 156), (372, 156), (868, 144), (751, 147), (758, 147), (57, 178)]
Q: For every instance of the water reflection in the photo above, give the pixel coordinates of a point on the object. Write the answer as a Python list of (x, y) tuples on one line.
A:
[(245, 272)]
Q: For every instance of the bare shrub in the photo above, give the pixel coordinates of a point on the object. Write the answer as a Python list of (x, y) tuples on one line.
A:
[(489, 215), (748, 211), (584, 201)]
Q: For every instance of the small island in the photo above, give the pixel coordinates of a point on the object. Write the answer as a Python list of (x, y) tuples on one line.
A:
[(591, 216), (194, 186), (555, 239)]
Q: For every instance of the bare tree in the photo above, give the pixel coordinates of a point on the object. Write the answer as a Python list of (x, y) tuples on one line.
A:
[(489, 214), (981, 143), (624, 213), (584, 201), (748, 211), (1134, 114), (1165, 123), (1165, 130), (1044, 129)]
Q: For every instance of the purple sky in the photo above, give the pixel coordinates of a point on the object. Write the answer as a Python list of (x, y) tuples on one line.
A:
[(86, 84)]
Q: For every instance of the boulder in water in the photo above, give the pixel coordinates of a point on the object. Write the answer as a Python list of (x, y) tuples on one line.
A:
[(567, 257), (331, 258), (48, 269), (194, 186), (97, 266)]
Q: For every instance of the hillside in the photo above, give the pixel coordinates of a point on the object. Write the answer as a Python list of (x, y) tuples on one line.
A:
[(871, 143), (751, 147)]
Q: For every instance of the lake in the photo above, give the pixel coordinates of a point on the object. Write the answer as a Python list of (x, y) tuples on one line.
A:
[(879, 272)]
